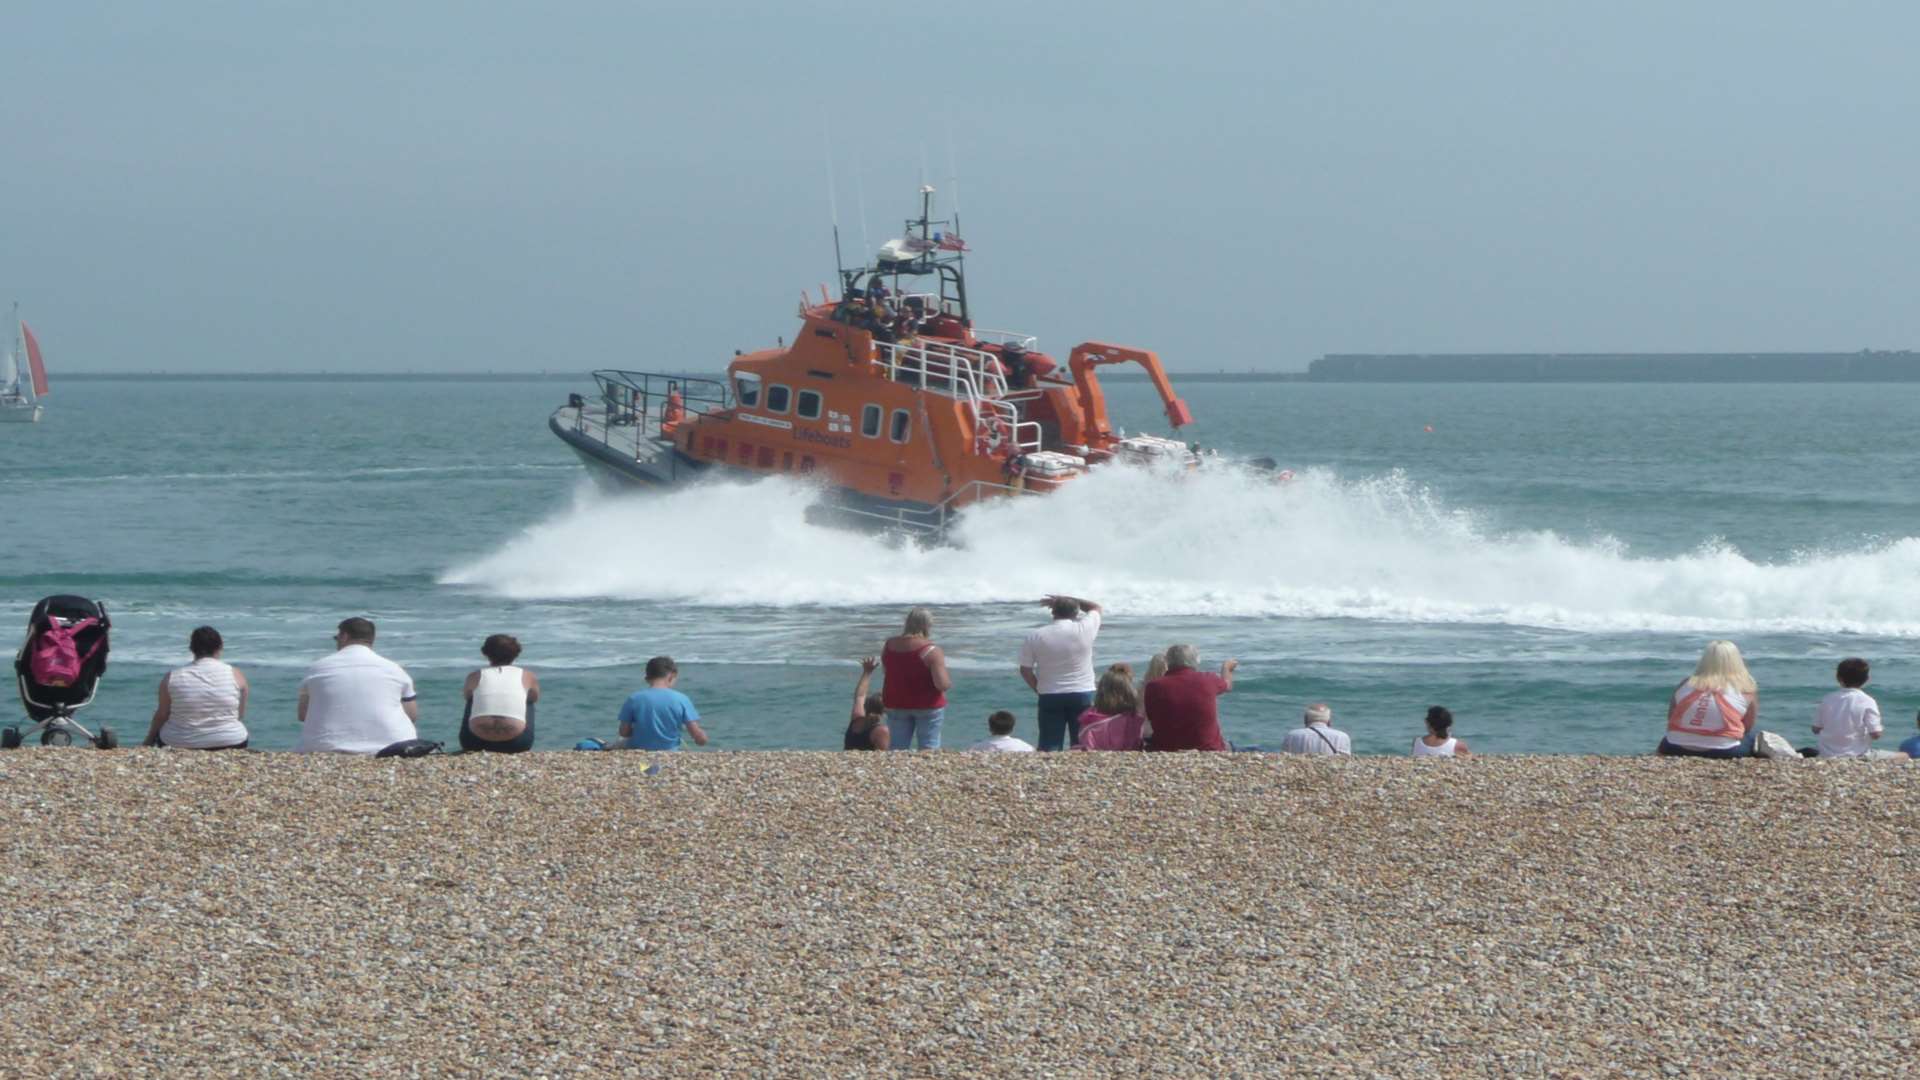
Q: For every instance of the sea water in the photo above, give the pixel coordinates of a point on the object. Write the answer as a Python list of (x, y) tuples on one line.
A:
[(1546, 561)]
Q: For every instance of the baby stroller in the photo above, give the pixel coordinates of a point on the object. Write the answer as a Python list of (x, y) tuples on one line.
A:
[(58, 669)]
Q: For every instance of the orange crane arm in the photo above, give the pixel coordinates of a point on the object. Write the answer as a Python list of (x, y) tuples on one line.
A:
[(1091, 354)]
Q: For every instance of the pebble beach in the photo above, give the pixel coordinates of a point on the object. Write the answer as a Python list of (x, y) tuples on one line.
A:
[(172, 913)]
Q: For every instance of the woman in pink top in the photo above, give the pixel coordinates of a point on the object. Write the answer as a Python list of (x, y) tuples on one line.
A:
[(1114, 722)]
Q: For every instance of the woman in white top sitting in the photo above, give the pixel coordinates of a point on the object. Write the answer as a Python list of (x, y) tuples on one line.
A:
[(499, 716), (1438, 741), (1713, 712), (201, 705)]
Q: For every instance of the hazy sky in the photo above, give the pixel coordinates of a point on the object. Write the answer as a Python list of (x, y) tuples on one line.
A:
[(478, 186)]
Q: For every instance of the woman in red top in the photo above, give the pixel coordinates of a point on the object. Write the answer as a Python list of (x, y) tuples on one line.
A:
[(915, 693)]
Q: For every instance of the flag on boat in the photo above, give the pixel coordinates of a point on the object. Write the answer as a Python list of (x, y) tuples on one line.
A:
[(33, 361), (916, 244), (949, 242)]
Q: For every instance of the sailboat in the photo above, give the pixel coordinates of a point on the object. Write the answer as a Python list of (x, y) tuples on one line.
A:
[(20, 396)]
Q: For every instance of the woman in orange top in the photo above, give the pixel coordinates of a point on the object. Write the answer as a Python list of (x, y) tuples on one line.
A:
[(1712, 713)]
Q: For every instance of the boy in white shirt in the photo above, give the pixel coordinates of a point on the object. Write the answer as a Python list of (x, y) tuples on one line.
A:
[(1848, 720), (1001, 725)]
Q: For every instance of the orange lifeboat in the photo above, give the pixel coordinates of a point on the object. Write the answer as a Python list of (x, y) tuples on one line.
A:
[(889, 394)]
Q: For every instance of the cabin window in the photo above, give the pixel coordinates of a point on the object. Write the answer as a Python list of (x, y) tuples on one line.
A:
[(777, 398), (870, 421), (807, 406), (902, 426), (765, 460), (746, 390)]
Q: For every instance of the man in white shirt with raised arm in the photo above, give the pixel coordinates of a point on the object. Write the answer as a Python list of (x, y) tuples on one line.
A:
[(1057, 662), (356, 701)]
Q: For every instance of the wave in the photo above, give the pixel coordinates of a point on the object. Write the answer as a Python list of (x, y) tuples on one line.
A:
[(1218, 543)]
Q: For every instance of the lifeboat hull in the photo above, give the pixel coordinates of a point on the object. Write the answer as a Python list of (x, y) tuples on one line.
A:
[(646, 463), (655, 464)]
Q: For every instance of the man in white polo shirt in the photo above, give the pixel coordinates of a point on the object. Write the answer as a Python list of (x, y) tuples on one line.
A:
[(356, 701), (1317, 735), (1057, 662)]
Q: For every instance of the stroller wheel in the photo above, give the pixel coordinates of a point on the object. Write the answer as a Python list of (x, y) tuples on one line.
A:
[(106, 740), (56, 737), (10, 738)]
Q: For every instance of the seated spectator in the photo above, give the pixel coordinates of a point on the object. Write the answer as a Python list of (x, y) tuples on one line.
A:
[(1317, 735), (1156, 667), (1000, 726), (1848, 719), (202, 704), (1438, 741), (653, 718), (1713, 711), (355, 701), (1114, 721), (499, 712), (1182, 705), (1911, 747), (867, 730)]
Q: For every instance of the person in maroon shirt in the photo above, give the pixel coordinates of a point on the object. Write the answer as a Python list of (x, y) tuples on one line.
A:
[(915, 693), (1181, 705)]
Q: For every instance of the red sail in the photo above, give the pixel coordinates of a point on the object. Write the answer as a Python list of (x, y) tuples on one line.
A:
[(33, 361)]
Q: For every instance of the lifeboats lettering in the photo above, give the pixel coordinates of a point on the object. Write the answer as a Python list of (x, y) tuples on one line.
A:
[(838, 442), (767, 421)]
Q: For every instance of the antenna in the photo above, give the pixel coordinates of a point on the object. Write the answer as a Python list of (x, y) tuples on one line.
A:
[(953, 178), (833, 207), (860, 193)]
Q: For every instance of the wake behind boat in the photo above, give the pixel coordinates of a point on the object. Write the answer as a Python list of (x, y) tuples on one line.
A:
[(890, 395), (20, 394)]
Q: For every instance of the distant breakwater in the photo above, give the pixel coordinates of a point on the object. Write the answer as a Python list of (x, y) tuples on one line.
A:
[(1864, 366)]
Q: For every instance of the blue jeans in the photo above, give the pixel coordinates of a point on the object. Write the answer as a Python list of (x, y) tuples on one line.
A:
[(907, 725), (1060, 718)]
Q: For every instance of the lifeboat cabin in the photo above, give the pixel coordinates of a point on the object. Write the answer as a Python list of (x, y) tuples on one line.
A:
[(889, 396)]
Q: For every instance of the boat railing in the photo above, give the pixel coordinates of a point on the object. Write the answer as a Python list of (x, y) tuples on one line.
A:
[(633, 413), (1026, 434), (935, 519), (1007, 337), (965, 373), (642, 399), (931, 303), (941, 366)]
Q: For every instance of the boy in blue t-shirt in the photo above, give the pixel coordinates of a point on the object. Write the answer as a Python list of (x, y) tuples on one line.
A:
[(652, 718), (1911, 747)]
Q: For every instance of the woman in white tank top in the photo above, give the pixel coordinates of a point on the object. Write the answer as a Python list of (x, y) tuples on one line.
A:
[(202, 704), (1437, 742), (499, 716)]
